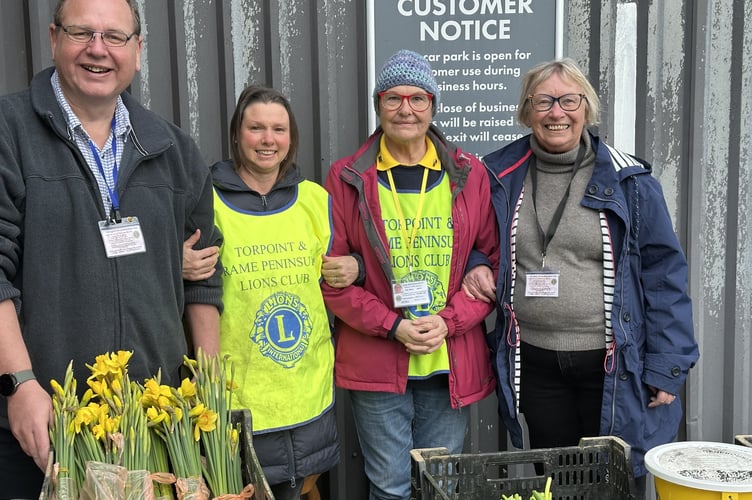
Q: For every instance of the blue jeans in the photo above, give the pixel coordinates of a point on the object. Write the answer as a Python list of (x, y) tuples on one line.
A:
[(390, 425)]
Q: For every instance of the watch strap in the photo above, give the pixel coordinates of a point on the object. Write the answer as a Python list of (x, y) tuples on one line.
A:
[(9, 382), (24, 376)]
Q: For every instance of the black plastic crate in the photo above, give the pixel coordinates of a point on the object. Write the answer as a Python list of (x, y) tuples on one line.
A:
[(598, 469), (252, 472)]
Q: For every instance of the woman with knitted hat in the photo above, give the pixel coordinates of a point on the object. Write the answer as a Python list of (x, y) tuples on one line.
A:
[(410, 346)]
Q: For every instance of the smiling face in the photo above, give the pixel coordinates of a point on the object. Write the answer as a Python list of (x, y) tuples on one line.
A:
[(94, 74), (264, 138), (404, 125), (558, 131)]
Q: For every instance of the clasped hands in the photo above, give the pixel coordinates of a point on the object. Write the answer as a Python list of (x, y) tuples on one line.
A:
[(422, 335)]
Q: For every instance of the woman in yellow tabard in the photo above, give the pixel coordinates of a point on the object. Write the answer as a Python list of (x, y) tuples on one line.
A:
[(411, 348), (274, 326)]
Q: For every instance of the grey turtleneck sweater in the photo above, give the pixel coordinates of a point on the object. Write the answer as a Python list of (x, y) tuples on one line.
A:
[(575, 320)]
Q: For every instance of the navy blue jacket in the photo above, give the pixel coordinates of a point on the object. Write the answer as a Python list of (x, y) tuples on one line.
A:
[(654, 342)]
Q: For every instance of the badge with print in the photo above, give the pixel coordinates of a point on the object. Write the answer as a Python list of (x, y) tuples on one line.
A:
[(410, 293), (122, 238), (544, 283)]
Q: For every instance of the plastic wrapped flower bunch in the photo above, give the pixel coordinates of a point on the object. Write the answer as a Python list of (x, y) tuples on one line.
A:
[(127, 440)]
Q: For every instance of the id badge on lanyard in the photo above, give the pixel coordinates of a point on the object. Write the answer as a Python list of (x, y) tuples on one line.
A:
[(543, 283), (410, 293), (122, 237)]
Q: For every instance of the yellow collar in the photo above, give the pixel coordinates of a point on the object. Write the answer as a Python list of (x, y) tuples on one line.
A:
[(385, 161)]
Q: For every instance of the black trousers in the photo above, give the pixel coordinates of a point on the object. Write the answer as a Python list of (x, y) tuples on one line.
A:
[(285, 491), (19, 475), (561, 395)]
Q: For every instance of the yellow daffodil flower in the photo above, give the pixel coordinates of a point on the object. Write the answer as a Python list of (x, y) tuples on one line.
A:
[(187, 389), (156, 395), (98, 387), (57, 388), (206, 421)]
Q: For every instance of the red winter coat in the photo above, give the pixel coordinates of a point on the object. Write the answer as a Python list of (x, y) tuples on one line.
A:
[(365, 358)]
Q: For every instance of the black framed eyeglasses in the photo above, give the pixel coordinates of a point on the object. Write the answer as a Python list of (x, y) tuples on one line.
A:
[(111, 38), (418, 102), (567, 102)]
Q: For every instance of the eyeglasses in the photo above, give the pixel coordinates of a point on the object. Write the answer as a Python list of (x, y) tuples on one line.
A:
[(111, 38), (418, 102), (567, 102)]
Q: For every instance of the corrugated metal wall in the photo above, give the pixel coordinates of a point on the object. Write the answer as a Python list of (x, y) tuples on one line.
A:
[(683, 71)]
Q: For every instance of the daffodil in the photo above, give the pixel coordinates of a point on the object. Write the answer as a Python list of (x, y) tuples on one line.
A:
[(156, 416), (170, 418), (57, 389), (156, 394), (213, 425), (111, 365), (187, 389), (134, 425), (206, 421), (148, 426), (62, 435), (85, 415), (97, 386)]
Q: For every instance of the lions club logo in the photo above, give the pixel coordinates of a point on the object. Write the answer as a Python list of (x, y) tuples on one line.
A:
[(436, 293), (282, 328)]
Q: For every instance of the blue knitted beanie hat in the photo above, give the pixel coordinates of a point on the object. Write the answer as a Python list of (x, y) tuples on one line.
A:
[(406, 67)]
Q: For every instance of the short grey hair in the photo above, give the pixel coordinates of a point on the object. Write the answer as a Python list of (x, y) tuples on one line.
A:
[(57, 16)]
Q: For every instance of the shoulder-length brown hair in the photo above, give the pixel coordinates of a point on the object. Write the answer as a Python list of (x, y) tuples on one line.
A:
[(266, 95), (568, 69)]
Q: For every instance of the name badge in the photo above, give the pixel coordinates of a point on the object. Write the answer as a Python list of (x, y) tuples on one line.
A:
[(122, 238), (543, 283), (410, 293)]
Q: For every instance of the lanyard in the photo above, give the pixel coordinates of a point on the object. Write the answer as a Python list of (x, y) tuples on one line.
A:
[(114, 199), (554, 224), (401, 215)]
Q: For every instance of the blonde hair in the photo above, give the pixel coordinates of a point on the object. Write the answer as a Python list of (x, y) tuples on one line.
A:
[(568, 69)]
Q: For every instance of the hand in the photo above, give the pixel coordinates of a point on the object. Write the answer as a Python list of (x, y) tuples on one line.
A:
[(660, 397), (30, 414), (339, 272), (198, 264), (423, 335), (479, 284)]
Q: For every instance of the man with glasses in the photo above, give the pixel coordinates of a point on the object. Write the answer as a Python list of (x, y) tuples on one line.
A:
[(97, 196), (410, 346)]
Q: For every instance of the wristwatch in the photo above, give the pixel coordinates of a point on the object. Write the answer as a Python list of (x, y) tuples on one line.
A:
[(9, 382)]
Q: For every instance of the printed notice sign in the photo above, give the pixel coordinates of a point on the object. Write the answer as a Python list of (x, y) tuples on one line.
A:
[(478, 49)]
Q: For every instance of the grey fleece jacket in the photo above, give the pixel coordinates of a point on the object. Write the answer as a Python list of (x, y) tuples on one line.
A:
[(74, 303)]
